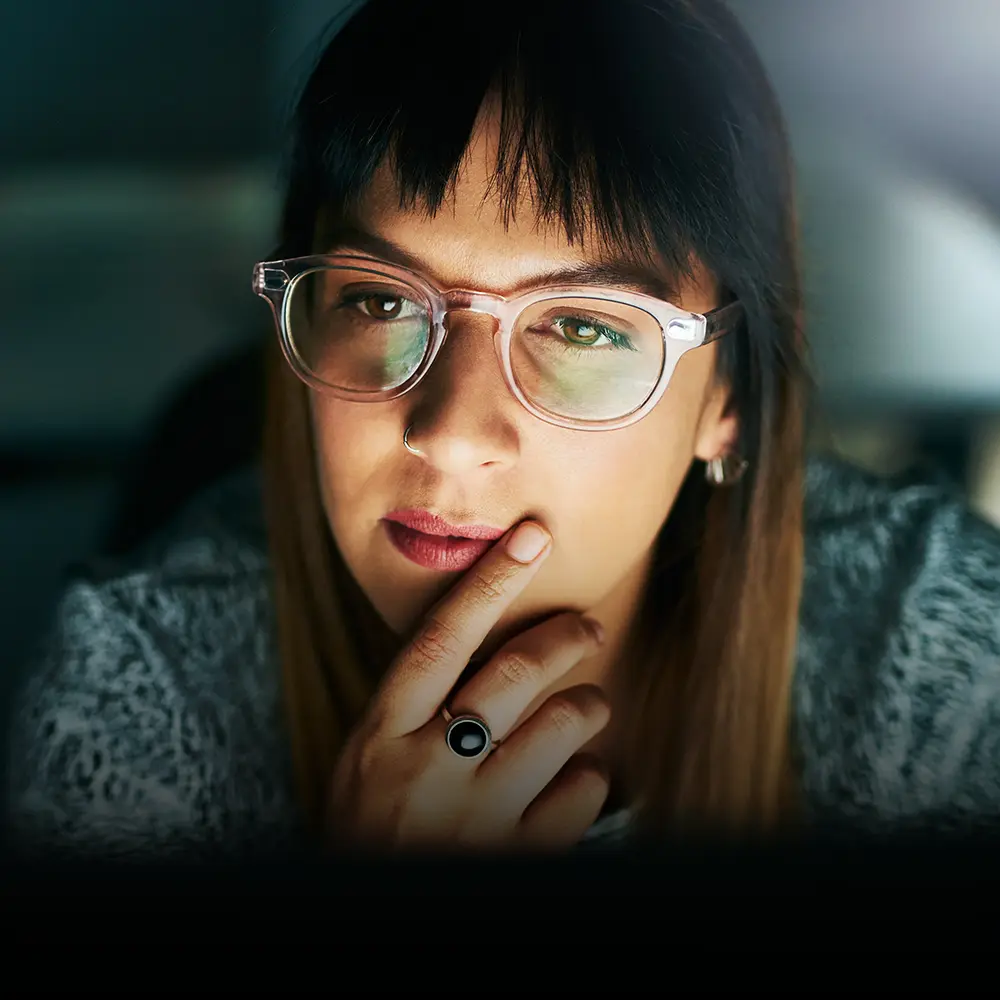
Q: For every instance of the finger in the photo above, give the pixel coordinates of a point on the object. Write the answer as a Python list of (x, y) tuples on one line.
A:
[(567, 807), (524, 667), (431, 663), (517, 770)]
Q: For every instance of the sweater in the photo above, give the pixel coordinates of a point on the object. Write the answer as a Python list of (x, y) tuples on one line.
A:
[(151, 723)]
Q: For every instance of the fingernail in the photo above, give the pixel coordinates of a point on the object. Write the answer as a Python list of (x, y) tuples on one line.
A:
[(595, 628), (527, 542)]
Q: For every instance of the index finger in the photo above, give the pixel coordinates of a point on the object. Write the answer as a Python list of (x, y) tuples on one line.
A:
[(431, 663)]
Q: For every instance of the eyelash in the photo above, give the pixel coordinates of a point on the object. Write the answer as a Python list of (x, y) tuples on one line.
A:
[(619, 340)]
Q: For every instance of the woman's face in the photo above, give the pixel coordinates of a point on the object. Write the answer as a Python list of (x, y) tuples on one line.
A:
[(484, 459)]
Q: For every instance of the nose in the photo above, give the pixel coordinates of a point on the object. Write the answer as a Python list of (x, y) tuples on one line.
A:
[(463, 417)]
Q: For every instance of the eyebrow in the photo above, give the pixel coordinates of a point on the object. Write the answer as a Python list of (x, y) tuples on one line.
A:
[(619, 273)]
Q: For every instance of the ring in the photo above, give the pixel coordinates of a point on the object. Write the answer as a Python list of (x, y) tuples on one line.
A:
[(467, 736)]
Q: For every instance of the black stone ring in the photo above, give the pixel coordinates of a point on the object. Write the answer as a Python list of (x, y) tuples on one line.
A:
[(467, 736)]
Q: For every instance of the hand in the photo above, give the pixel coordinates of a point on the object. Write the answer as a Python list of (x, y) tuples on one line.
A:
[(397, 784)]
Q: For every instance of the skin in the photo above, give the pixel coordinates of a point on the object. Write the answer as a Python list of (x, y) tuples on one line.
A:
[(601, 497)]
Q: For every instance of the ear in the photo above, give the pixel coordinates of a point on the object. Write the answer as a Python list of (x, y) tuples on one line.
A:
[(718, 427)]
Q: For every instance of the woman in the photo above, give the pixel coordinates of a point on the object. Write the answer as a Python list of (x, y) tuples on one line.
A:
[(545, 563)]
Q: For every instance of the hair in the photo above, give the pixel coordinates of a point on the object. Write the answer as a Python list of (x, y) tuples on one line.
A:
[(654, 122)]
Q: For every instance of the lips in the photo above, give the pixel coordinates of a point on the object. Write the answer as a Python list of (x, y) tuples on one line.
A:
[(430, 524), (434, 543)]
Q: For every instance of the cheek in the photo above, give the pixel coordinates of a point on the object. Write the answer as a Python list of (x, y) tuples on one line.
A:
[(609, 495), (354, 450), (624, 484)]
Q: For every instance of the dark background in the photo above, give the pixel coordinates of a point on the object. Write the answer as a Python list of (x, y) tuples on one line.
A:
[(138, 185)]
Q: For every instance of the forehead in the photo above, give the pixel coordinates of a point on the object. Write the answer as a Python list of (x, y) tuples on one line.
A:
[(474, 232), (478, 238)]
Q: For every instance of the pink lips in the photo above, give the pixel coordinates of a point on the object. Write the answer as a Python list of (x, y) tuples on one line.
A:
[(433, 543)]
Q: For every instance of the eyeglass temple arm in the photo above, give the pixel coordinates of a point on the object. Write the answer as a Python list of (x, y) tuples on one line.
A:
[(722, 320)]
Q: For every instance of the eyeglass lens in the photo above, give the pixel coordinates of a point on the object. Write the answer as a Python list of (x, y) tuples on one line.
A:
[(580, 358)]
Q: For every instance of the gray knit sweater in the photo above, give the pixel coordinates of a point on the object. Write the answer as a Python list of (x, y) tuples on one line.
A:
[(152, 723)]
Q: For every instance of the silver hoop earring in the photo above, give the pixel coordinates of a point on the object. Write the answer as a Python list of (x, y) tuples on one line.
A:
[(406, 444), (725, 470)]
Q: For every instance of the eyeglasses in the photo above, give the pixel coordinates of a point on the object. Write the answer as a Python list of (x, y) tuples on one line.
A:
[(575, 356)]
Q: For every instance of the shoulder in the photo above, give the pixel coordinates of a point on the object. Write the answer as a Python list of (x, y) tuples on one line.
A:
[(898, 684), (154, 690), (908, 543)]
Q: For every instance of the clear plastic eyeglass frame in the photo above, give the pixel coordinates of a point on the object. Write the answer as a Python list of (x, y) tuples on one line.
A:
[(682, 331)]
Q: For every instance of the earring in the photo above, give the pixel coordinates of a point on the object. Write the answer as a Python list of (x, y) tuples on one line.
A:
[(725, 470), (406, 444)]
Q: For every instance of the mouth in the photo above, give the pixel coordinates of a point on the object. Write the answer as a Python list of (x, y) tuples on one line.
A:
[(434, 543)]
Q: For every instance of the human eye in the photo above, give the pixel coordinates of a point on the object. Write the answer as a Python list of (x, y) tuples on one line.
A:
[(384, 305), (584, 333)]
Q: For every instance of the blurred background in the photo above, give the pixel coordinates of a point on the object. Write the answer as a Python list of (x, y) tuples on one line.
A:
[(138, 184)]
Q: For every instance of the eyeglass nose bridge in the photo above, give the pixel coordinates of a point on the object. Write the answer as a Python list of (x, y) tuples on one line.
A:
[(461, 300), (499, 309), (478, 303)]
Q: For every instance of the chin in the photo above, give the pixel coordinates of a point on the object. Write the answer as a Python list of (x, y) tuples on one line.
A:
[(403, 608)]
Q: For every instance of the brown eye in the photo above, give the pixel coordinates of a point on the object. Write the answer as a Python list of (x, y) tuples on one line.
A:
[(381, 307)]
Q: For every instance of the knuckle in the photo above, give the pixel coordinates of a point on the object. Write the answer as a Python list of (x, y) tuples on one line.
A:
[(590, 780), (367, 759), (517, 669), (364, 752), (593, 703), (565, 715), (488, 584), (600, 708), (435, 641)]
